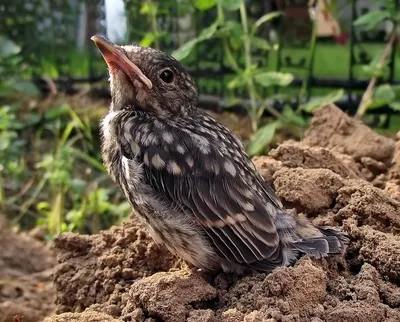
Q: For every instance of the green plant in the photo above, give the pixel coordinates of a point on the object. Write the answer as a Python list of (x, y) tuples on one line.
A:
[(147, 15), (56, 177), (240, 41), (386, 94), (11, 68), (248, 73)]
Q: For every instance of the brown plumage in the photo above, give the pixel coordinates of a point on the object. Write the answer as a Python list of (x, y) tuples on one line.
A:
[(189, 178)]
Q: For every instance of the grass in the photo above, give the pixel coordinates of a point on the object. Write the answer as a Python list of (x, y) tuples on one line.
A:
[(52, 174)]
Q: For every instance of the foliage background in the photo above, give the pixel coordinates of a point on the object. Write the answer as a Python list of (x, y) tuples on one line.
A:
[(53, 88)]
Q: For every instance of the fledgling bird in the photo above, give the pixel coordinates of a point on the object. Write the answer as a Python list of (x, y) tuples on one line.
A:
[(188, 177)]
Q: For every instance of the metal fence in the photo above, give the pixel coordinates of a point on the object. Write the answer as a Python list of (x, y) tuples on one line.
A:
[(49, 29)]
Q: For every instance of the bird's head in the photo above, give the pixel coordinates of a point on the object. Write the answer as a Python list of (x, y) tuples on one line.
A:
[(146, 78)]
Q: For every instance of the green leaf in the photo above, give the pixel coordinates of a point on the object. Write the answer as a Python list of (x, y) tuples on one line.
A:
[(384, 92), (238, 81), (395, 106), (95, 163), (232, 31), (230, 28), (205, 4), (148, 8), (187, 48), (147, 40), (371, 19), (290, 116), (57, 112), (262, 137), (267, 79), (27, 87), (230, 4), (397, 17), (332, 97), (260, 43), (263, 19), (8, 47), (382, 95)]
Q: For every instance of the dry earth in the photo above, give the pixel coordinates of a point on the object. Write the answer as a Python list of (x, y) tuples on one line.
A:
[(342, 175)]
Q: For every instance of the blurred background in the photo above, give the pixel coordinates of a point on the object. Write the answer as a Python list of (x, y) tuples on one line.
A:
[(262, 68)]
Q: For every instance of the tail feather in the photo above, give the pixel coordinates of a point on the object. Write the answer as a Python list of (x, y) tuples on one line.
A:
[(316, 247), (332, 242)]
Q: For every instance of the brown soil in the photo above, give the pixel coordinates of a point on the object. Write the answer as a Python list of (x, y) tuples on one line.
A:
[(25, 276), (342, 175)]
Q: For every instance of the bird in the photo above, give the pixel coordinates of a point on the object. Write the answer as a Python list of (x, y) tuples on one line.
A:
[(188, 178)]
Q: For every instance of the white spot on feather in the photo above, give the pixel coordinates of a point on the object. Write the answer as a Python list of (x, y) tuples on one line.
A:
[(190, 162), (201, 142), (167, 137), (157, 162), (230, 168), (174, 168), (180, 149), (135, 148), (146, 158)]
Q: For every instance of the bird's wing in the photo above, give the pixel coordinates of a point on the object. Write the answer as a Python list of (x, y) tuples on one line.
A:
[(191, 174)]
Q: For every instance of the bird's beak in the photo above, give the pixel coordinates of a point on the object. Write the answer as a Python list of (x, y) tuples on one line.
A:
[(112, 54)]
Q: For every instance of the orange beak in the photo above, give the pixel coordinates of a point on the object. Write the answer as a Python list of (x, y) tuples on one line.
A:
[(112, 54)]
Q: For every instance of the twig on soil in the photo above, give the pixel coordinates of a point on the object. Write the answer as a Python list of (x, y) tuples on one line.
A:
[(17, 318), (366, 99)]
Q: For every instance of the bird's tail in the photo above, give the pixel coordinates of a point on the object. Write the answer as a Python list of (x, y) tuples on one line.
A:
[(329, 242), (299, 236)]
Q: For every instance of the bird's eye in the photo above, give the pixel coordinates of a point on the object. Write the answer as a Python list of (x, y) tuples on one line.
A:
[(167, 76)]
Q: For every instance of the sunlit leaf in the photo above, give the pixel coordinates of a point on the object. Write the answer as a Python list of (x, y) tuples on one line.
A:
[(238, 81), (147, 40), (332, 97), (43, 205), (371, 19), (205, 4), (267, 79), (395, 106), (263, 137), (148, 8), (8, 47)]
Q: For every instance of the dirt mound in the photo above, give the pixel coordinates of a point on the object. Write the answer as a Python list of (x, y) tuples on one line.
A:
[(104, 266), (392, 186), (25, 276), (121, 275), (331, 128)]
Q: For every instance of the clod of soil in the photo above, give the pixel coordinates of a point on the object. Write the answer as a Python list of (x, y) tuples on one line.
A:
[(331, 128), (392, 186), (308, 190), (121, 275), (87, 316), (178, 291), (25, 276), (296, 154)]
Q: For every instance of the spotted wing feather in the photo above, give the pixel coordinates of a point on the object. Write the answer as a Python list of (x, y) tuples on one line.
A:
[(190, 172)]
